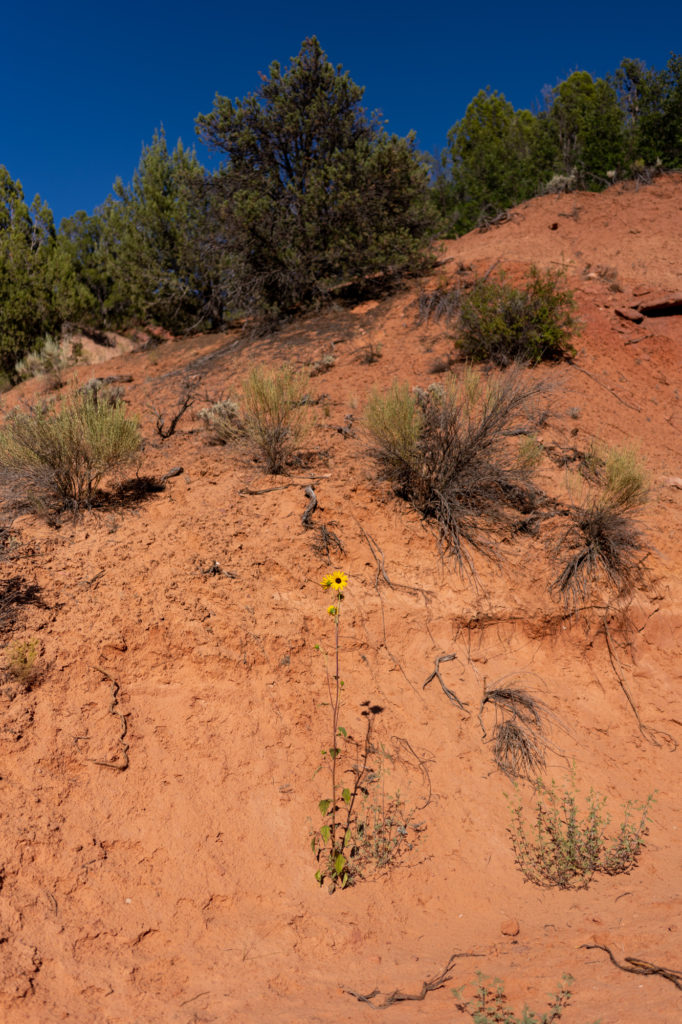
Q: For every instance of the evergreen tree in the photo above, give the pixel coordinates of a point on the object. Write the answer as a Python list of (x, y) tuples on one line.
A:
[(27, 310), (498, 158), (314, 193), (587, 124)]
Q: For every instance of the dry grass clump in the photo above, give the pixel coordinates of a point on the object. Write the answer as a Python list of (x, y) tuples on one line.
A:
[(443, 303), (65, 451), (449, 451), (50, 360), (604, 545), (518, 741), (275, 415)]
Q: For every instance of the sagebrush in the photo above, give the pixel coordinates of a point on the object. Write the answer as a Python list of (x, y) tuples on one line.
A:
[(64, 451), (450, 451), (275, 416)]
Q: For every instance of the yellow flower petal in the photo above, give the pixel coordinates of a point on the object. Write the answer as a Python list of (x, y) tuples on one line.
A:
[(338, 580)]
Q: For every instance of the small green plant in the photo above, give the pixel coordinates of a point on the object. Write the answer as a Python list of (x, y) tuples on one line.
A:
[(566, 847), (489, 1005), (275, 414), (64, 451), (504, 324), (23, 662)]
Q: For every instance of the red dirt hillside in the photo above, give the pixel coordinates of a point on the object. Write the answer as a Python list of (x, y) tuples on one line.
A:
[(182, 888)]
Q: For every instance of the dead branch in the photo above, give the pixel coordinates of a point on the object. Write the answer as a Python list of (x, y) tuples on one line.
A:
[(312, 505), (432, 985), (450, 694), (638, 966)]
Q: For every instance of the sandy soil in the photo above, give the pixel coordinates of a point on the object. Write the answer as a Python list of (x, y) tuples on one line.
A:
[(181, 889)]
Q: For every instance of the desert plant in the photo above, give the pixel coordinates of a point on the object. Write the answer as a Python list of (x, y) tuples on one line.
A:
[(50, 360), (603, 544), (505, 324), (64, 451), (448, 451), (222, 420), (489, 1005), (329, 843), (186, 400), (518, 736), (275, 417), (23, 657), (565, 848)]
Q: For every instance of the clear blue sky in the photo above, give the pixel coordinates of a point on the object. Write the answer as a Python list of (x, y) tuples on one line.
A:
[(84, 84)]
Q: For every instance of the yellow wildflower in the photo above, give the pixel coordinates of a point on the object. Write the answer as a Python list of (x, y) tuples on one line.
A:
[(338, 580), (332, 609)]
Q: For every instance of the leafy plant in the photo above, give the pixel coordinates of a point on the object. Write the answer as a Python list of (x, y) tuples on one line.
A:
[(489, 1005), (505, 324), (275, 417), (565, 847), (447, 451), (64, 451), (362, 826)]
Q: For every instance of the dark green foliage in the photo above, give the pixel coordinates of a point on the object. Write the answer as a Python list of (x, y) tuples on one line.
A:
[(27, 310), (498, 157), (587, 123), (153, 229), (81, 272), (652, 104), (314, 194), (505, 324)]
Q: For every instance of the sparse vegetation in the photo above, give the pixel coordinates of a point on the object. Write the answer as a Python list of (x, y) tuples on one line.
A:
[(566, 847), (489, 1005), (503, 324), (275, 414), (518, 737), (49, 360), (222, 420), (65, 451), (447, 451), (604, 545)]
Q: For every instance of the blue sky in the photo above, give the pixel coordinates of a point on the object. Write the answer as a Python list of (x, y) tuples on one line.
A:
[(83, 85)]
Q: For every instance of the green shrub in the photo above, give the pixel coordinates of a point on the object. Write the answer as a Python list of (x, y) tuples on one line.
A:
[(504, 324), (64, 451), (565, 848), (276, 416), (448, 451)]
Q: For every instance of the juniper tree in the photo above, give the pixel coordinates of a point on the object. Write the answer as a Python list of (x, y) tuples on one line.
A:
[(314, 193)]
